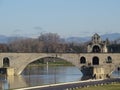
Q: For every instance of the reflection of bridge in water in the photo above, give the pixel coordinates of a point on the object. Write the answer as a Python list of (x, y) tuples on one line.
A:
[(96, 63)]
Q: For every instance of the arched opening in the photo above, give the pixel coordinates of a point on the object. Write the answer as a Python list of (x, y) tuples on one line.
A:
[(44, 62), (82, 60), (53, 73), (51, 61), (109, 59), (6, 62), (96, 49), (95, 61)]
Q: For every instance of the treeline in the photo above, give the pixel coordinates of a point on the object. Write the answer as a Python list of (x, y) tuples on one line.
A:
[(45, 43), (114, 48), (50, 43)]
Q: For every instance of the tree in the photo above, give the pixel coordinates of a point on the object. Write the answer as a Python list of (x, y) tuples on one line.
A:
[(51, 42)]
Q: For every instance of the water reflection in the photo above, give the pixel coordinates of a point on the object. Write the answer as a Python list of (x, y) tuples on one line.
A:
[(16, 81), (43, 75), (53, 74), (10, 82), (40, 76), (3, 83), (116, 73)]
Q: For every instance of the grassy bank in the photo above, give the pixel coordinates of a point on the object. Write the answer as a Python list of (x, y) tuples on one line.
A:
[(56, 63), (104, 87)]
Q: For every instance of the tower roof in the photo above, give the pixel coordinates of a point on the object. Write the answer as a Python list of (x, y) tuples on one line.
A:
[(96, 35)]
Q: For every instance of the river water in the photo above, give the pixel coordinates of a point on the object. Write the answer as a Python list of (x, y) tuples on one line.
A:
[(43, 75)]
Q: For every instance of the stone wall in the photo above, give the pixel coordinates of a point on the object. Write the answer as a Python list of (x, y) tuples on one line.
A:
[(19, 61)]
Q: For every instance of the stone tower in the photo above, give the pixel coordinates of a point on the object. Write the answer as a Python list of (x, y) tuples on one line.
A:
[(97, 45)]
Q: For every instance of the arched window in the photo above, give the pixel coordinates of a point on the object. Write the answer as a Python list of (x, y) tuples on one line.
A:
[(109, 59), (95, 61), (82, 60), (6, 62), (96, 49)]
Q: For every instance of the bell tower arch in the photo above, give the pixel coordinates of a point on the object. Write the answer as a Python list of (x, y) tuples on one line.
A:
[(97, 45)]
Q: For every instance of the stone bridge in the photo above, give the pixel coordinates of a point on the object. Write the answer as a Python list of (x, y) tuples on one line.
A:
[(100, 64)]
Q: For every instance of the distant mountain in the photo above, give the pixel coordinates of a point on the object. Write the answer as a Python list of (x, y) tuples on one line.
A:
[(77, 39), (111, 37), (7, 39), (4, 39)]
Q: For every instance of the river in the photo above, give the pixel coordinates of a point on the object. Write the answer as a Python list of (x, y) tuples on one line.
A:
[(43, 75)]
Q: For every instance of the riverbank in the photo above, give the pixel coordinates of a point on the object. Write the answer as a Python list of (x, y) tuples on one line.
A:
[(56, 63), (103, 87), (81, 85)]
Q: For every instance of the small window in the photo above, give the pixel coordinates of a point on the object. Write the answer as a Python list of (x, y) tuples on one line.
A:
[(95, 61), (82, 60), (6, 62), (109, 59)]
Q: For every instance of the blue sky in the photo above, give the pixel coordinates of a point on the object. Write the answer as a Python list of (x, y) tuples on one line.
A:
[(65, 17)]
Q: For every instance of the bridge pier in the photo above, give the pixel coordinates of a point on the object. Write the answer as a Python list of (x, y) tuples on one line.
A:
[(87, 72), (99, 73), (90, 72), (7, 71)]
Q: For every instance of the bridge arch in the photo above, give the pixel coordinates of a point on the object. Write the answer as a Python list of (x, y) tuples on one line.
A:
[(6, 62), (95, 60), (18, 72), (82, 60)]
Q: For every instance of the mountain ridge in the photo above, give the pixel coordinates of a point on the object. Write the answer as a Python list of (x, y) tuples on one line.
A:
[(111, 37)]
